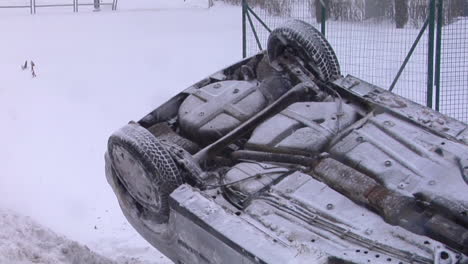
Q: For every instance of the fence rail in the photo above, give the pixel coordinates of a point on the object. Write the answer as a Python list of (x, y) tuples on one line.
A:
[(424, 59), (75, 4)]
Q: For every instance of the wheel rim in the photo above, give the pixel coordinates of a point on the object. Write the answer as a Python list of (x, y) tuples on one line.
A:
[(137, 182)]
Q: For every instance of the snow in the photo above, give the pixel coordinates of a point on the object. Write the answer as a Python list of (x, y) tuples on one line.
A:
[(24, 241), (95, 72)]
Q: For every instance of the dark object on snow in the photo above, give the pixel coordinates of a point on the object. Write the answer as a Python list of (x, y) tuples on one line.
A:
[(25, 65), (97, 5), (33, 72), (280, 159)]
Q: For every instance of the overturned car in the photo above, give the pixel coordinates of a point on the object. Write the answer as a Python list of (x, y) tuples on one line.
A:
[(280, 159)]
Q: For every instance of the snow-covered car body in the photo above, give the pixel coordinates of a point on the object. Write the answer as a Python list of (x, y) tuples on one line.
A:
[(280, 159)]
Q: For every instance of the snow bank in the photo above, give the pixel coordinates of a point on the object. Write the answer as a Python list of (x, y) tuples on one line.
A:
[(24, 241)]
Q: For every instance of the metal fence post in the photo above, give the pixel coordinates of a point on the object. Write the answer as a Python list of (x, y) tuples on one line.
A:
[(440, 21), (430, 58), (244, 29), (97, 5), (324, 16)]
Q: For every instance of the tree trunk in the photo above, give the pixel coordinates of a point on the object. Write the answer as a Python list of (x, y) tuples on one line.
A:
[(401, 13), (457, 8), (318, 10)]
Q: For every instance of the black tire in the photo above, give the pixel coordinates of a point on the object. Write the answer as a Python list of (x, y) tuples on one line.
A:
[(308, 44), (145, 168)]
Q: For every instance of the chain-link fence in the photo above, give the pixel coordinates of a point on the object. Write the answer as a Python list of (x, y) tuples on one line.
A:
[(373, 43), (454, 68)]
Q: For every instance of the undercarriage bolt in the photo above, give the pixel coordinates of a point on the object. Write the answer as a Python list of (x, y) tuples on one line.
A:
[(389, 123)]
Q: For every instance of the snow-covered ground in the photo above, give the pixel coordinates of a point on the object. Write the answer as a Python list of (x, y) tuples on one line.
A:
[(23, 241), (95, 72)]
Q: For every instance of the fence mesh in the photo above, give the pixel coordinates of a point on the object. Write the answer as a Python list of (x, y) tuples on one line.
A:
[(454, 70), (373, 49)]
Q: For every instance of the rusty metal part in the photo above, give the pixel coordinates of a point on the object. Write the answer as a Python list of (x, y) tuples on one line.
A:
[(295, 67), (440, 228), (273, 157), (163, 132), (185, 160), (393, 207), (362, 189)]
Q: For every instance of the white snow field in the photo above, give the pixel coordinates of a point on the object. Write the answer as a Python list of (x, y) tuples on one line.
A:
[(95, 72)]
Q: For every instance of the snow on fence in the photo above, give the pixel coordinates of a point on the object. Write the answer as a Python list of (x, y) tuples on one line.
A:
[(75, 5), (372, 42)]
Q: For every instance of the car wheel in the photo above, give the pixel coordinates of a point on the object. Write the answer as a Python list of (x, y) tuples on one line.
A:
[(307, 43), (145, 168), (161, 236)]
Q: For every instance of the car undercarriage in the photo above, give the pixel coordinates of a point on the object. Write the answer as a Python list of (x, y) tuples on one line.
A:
[(281, 159)]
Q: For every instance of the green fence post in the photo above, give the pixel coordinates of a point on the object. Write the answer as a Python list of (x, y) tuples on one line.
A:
[(440, 21), (249, 9), (430, 58), (244, 29), (324, 16)]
